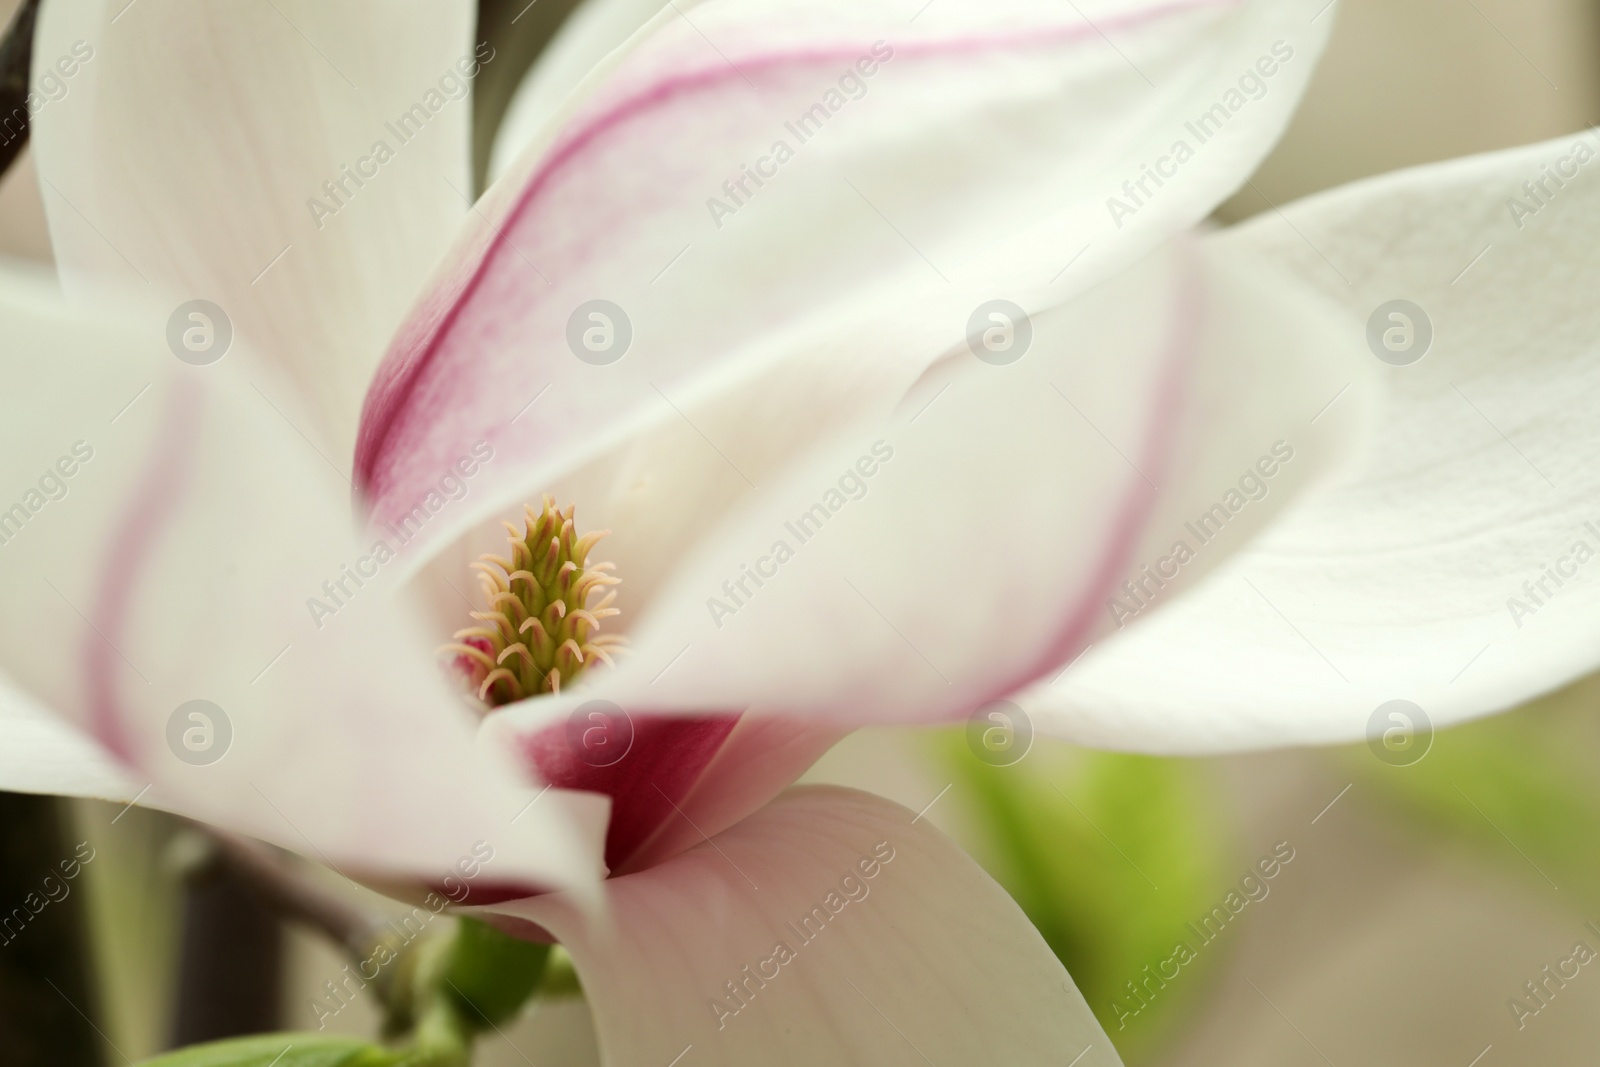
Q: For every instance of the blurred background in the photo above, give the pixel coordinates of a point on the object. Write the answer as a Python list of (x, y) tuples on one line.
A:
[(1418, 899)]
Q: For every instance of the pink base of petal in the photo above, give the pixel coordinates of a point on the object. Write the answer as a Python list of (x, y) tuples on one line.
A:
[(663, 763)]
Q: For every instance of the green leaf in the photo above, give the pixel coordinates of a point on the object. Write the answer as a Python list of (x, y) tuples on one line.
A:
[(492, 974), (279, 1050), (1110, 856)]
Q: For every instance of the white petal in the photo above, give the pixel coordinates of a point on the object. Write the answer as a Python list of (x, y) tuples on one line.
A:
[(976, 163), (1406, 581), (188, 149), (165, 533), (924, 961), (920, 566), (43, 753)]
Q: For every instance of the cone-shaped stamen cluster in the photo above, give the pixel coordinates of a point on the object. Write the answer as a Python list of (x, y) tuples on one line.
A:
[(539, 630)]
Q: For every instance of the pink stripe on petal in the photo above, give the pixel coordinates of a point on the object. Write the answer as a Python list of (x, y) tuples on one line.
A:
[(129, 551), (1134, 511), (1139, 503), (387, 440)]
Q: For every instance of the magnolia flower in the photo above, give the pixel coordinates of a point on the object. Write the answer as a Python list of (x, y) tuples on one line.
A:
[(868, 331)]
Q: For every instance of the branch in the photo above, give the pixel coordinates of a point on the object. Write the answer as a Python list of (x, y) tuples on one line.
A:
[(298, 899)]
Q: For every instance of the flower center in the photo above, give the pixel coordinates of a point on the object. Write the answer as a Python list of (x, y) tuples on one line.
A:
[(539, 631)]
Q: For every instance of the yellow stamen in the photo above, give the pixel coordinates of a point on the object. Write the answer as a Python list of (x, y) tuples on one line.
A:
[(539, 630)]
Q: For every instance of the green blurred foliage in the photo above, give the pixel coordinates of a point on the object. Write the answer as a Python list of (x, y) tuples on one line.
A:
[(1520, 790), (1110, 856), (132, 893), (279, 1050)]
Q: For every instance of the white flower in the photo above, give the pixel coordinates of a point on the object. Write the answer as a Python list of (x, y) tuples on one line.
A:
[(816, 346)]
